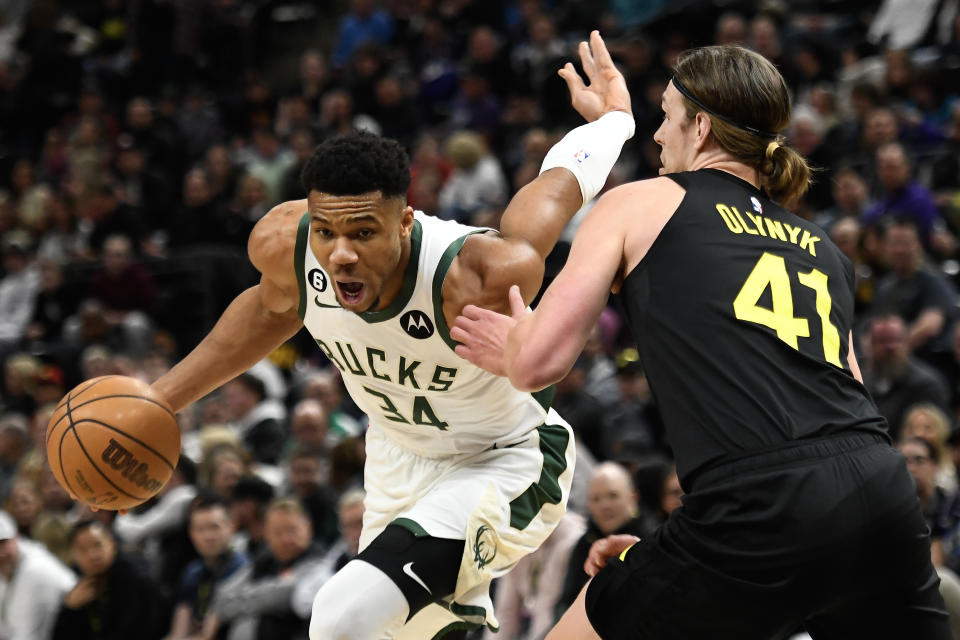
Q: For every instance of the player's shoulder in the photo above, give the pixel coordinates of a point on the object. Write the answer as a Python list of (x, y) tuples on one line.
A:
[(647, 191), (275, 235)]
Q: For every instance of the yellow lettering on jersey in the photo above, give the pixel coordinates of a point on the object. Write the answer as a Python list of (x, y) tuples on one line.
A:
[(743, 222), (757, 222), (373, 368), (406, 371), (732, 224), (793, 231), (775, 229), (807, 242)]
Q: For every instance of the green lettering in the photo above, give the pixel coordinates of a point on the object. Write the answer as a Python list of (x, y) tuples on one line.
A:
[(358, 371), (423, 414), (373, 369), (438, 383), (407, 372), (388, 407), (329, 353)]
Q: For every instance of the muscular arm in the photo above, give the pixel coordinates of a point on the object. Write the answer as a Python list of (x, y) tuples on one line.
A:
[(256, 322), (537, 214)]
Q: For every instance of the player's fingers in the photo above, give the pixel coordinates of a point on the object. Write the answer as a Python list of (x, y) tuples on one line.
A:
[(460, 335), (122, 512), (472, 312), (518, 307), (94, 509), (572, 78), (601, 56), (586, 59)]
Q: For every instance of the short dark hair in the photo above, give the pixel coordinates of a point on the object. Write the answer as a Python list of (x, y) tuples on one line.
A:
[(204, 500), (251, 487), (358, 162), (253, 383), (86, 525)]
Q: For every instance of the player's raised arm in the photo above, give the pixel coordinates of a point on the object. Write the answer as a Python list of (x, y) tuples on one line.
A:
[(256, 322), (573, 172)]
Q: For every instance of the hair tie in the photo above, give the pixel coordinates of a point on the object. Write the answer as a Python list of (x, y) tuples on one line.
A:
[(771, 148)]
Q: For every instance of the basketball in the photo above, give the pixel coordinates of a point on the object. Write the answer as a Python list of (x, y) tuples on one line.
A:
[(112, 442)]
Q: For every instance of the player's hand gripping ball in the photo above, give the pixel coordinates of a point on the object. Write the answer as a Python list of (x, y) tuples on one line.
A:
[(112, 442)]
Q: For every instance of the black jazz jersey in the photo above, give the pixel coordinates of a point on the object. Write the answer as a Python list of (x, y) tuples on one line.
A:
[(742, 314)]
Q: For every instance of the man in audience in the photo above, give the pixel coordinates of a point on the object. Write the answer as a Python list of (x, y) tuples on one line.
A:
[(32, 583), (211, 528), (255, 603)]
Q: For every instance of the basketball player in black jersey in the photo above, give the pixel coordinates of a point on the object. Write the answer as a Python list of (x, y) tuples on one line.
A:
[(798, 512)]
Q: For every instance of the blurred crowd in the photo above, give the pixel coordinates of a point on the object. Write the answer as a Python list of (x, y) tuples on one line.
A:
[(141, 140)]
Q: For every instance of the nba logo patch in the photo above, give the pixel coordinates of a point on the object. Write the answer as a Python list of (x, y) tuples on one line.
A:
[(756, 204), (581, 155)]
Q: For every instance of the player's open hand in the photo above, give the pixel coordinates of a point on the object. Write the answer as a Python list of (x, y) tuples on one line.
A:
[(605, 548), (482, 333), (607, 91)]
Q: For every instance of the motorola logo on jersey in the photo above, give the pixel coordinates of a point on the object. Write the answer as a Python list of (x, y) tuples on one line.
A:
[(318, 279), (416, 324)]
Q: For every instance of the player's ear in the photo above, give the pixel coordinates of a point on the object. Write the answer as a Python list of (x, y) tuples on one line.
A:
[(703, 130), (406, 219)]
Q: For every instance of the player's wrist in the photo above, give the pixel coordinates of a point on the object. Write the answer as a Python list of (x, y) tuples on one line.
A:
[(590, 151)]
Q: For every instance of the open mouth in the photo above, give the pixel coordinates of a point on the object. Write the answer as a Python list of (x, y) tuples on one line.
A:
[(350, 292)]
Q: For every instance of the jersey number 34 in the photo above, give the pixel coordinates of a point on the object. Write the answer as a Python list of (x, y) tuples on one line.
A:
[(771, 270)]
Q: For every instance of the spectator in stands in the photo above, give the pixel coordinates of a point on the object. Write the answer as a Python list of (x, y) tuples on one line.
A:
[(55, 302), (126, 290), (850, 198), (302, 142), (894, 378), (33, 582), (257, 419), (111, 217), (308, 427), (248, 507), (222, 467), (345, 549), (325, 386), (211, 529), (363, 24), (919, 294), (113, 598), (584, 412), (613, 506), (250, 201), (305, 470), (901, 194), (659, 487), (24, 505), (255, 603), (221, 174), (477, 180), (632, 426), (145, 190), (18, 288), (928, 422), (268, 160), (14, 444)]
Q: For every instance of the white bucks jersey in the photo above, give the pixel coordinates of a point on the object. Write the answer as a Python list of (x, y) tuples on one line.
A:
[(399, 365)]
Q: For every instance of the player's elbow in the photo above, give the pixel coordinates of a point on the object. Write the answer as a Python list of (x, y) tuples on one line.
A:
[(535, 375)]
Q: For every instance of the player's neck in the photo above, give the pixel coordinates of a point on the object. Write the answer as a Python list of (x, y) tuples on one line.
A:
[(393, 286), (716, 158)]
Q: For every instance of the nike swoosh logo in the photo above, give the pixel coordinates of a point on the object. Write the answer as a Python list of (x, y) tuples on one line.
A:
[(317, 302), (408, 569)]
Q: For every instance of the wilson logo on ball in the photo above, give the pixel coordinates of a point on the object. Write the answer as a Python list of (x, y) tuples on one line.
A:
[(132, 469)]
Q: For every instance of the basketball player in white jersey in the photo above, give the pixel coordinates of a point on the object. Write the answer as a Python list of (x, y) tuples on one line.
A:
[(464, 474)]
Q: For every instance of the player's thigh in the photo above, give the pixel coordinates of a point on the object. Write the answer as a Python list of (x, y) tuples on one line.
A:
[(657, 593), (919, 613), (574, 624)]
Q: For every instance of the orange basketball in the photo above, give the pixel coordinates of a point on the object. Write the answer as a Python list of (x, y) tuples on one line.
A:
[(112, 442)]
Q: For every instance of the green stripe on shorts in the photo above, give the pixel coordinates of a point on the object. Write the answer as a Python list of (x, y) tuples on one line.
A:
[(554, 439)]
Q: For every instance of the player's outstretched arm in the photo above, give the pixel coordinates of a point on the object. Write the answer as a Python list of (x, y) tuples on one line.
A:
[(575, 169), (573, 172), (256, 322)]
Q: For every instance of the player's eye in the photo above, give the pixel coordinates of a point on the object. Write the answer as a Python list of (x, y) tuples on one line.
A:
[(365, 233), (324, 233)]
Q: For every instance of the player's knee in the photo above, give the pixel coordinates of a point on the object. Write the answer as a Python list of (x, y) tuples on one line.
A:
[(326, 623)]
